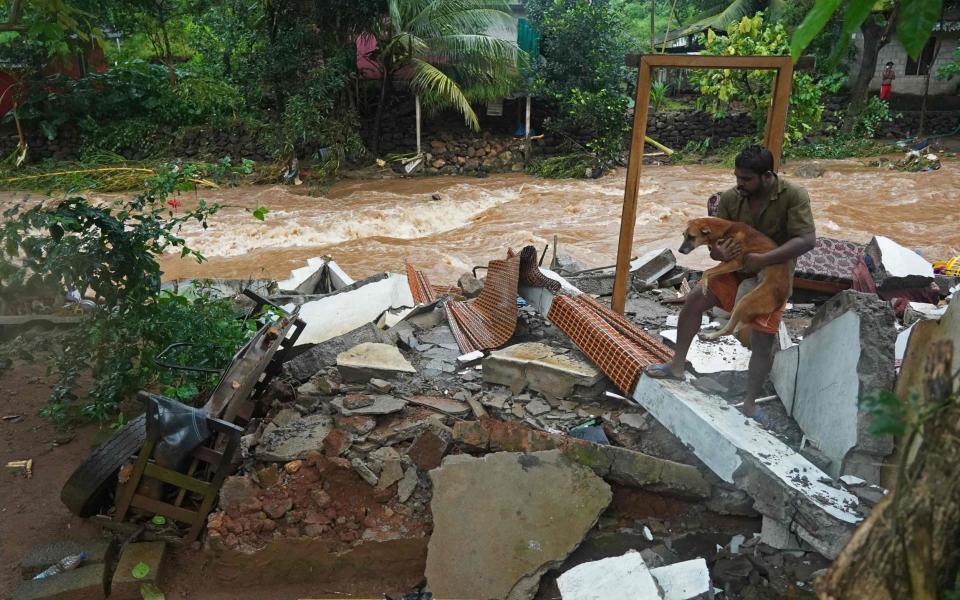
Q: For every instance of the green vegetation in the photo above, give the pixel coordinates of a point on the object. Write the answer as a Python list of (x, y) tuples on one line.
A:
[(112, 251)]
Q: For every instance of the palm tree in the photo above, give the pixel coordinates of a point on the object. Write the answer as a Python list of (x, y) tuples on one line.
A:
[(719, 16), (446, 49)]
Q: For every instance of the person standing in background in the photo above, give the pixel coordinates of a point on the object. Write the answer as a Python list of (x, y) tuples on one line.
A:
[(886, 84)]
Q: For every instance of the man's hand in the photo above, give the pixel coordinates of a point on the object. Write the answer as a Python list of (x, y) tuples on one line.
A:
[(726, 250), (755, 262)]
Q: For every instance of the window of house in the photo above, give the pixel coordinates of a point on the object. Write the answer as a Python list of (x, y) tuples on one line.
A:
[(922, 65)]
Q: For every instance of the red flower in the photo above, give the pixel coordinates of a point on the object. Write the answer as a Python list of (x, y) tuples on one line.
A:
[(174, 203)]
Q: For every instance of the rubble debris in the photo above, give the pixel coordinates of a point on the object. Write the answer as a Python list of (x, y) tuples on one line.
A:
[(379, 386), (544, 504), (332, 501), (294, 438), (649, 268), (615, 578), (896, 267), (470, 285), (344, 310), (126, 583), (408, 484), (470, 358), (849, 353), (321, 275), (777, 535), (621, 465), (375, 405), (555, 374), (918, 311), (441, 403), (305, 365), (784, 485), (370, 360), (428, 450)]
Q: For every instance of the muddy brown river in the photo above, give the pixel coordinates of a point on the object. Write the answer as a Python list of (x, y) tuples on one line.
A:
[(374, 225)]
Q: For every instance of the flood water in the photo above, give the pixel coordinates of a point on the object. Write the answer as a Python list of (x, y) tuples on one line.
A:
[(372, 226)]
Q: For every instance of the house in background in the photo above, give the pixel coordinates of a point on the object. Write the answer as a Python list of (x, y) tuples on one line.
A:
[(912, 74)]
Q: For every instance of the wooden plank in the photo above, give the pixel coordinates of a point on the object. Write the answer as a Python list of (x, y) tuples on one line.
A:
[(162, 508), (628, 217), (779, 105), (829, 287), (176, 478), (804, 63), (207, 455), (129, 489)]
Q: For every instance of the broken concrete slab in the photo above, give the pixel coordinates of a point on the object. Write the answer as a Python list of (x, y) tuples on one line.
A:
[(370, 360), (544, 505), (553, 373), (86, 582), (646, 270), (305, 365), (320, 275), (918, 311), (849, 353), (126, 583), (617, 464), (379, 405), (441, 403), (293, 440), (784, 485), (624, 577), (470, 285), (342, 311), (408, 484), (896, 267), (724, 354), (687, 580)]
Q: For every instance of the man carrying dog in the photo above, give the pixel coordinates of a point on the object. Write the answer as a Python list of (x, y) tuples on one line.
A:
[(780, 210)]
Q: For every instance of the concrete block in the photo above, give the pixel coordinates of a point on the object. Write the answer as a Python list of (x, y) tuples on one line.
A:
[(784, 485), (127, 587), (87, 582), (305, 365), (503, 520), (646, 270), (624, 577), (848, 352), (776, 535), (687, 580), (918, 311), (896, 267), (541, 368), (41, 556), (366, 361)]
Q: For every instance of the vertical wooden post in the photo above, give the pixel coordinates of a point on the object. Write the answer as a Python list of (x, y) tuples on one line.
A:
[(416, 100), (777, 114), (526, 122), (628, 218)]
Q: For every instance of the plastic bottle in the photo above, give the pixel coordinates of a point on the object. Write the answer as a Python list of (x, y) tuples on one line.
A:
[(65, 564)]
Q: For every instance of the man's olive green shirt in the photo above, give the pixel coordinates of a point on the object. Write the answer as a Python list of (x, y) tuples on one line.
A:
[(787, 215)]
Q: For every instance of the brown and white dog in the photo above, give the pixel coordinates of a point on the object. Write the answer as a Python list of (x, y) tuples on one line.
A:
[(774, 287)]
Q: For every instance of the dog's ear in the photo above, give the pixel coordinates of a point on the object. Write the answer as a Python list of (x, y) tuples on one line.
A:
[(705, 230)]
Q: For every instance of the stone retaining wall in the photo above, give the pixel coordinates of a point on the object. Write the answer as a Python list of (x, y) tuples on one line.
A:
[(677, 128)]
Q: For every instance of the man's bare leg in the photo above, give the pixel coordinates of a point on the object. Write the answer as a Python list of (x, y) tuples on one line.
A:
[(761, 361), (698, 302)]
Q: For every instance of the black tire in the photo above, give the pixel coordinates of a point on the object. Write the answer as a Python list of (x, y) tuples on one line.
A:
[(91, 484)]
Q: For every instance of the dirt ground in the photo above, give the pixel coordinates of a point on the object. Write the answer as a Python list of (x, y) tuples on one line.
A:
[(31, 511)]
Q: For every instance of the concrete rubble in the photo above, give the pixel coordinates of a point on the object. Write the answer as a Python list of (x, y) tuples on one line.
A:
[(847, 353), (385, 449), (896, 267), (544, 505), (628, 577)]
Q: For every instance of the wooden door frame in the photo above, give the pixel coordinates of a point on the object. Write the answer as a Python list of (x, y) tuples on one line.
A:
[(772, 136)]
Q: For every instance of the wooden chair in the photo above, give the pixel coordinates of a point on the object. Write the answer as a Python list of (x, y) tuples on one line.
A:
[(204, 477)]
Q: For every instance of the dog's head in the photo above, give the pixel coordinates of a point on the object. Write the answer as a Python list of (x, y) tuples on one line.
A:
[(700, 232)]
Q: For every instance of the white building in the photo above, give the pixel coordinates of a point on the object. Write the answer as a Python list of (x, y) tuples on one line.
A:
[(911, 74)]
